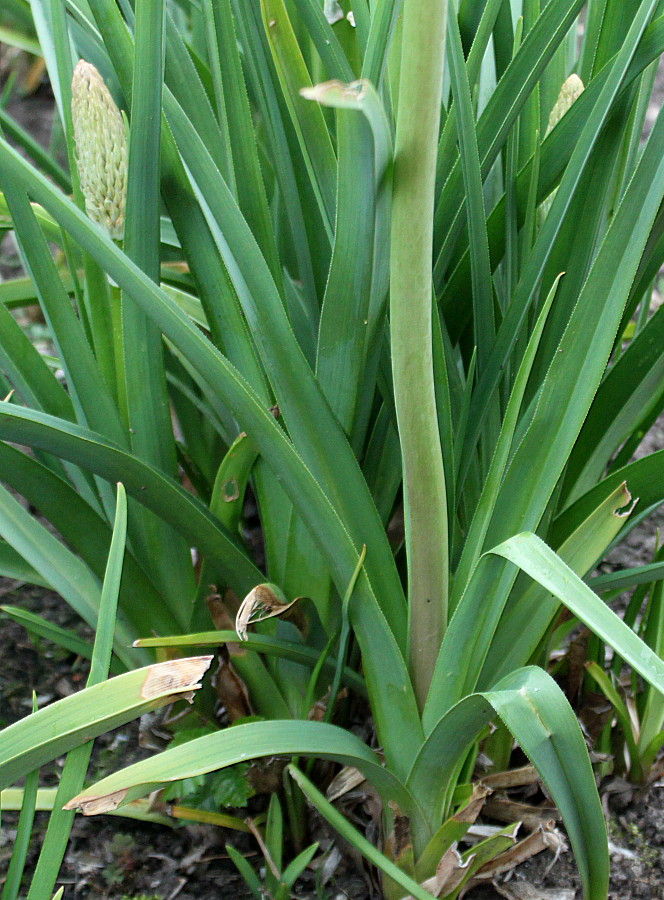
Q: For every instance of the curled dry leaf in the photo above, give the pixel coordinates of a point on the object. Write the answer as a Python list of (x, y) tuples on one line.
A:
[(450, 873), (346, 780), (231, 690), (511, 778), (502, 808), (472, 809), (263, 602), (545, 837)]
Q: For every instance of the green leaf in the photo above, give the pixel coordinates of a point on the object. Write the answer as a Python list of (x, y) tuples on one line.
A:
[(535, 710), (260, 643), (56, 729), (237, 744), (147, 485), (42, 628), (58, 566), (532, 555), (307, 119), (354, 837)]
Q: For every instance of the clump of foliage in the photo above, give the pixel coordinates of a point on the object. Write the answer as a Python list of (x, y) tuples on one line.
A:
[(339, 283)]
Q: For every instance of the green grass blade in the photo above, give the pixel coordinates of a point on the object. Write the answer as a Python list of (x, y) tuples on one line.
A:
[(250, 878), (89, 392), (500, 114), (86, 532), (76, 764), (324, 37), (630, 390), (260, 643), (354, 838), (63, 571), (34, 150), (627, 578), (555, 155), (644, 480), (472, 636), (533, 270), (227, 326), (148, 412), (581, 550), (28, 372), (42, 628), (298, 395), (603, 681), (477, 532), (535, 710), (251, 194), (12, 885), (537, 713), (365, 150), (12, 565), (480, 264), (263, 81), (573, 377)]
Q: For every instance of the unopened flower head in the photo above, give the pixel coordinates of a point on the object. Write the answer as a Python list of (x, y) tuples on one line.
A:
[(101, 149), (570, 91)]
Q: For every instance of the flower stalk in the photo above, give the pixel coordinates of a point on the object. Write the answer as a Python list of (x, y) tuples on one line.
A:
[(418, 119)]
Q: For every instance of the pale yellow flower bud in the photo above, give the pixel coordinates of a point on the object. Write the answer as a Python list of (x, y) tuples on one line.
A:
[(101, 149), (570, 91)]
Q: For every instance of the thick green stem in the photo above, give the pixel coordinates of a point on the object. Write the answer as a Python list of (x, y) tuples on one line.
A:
[(422, 58)]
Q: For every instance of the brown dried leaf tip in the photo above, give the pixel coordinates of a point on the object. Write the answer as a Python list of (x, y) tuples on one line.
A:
[(263, 602), (176, 676)]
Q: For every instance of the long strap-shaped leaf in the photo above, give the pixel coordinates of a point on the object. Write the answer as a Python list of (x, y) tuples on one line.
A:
[(87, 532), (532, 555), (500, 114), (224, 316), (354, 838), (533, 270), (573, 377), (260, 643), (581, 551), (142, 359), (326, 451), (76, 764), (150, 487), (535, 710), (310, 127), (632, 385), (59, 567), (644, 479), (58, 728), (378, 640), (233, 745), (555, 154)]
